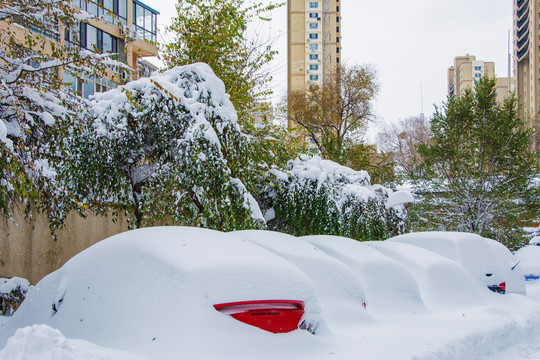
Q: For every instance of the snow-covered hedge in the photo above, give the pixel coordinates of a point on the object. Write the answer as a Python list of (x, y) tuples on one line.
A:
[(169, 148), (12, 293), (316, 196)]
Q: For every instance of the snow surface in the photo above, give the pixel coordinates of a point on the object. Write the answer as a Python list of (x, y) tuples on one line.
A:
[(149, 294)]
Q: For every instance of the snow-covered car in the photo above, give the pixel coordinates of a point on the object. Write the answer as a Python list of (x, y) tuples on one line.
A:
[(529, 258), (489, 262), (442, 282), (151, 290), (389, 286), (339, 290)]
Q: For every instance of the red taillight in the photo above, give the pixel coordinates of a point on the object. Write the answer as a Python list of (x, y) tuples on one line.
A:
[(276, 316), (502, 286)]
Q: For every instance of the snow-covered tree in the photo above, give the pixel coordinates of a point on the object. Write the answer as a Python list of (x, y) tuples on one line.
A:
[(35, 112), (315, 196), (169, 150), (479, 167)]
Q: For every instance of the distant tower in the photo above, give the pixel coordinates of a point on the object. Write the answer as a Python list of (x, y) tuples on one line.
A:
[(527, 62), (313, 42)]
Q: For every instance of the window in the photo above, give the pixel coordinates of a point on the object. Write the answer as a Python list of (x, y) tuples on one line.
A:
[(337, 38), (145, 21), (313, 25), (313, 67), (477, 75), (337, 60), (477, 68), (337, 50), (313, 56), (313, 77), (313, 15), (94, 39), (337, 28), (337, 8), (104, 9), (337, 18), (313, 36), (313, 4), (313, 47)]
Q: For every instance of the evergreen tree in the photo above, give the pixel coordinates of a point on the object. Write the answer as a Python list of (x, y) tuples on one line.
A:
[(479, 167)]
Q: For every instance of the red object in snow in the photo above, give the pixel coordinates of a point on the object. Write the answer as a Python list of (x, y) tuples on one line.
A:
[(276, 316)]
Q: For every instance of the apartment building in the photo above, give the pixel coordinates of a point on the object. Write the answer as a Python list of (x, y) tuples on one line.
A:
[(467, 70), (527, 62), (124, 27), (314, 42)]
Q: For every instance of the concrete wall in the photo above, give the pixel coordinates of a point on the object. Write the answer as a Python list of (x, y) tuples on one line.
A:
[(28, 250)]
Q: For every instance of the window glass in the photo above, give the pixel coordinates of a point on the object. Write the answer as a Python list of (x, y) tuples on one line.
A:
[(314, 77), (313, 25), (313, 36), (313, 4), (122, 8), (313, 46), (313, 67), (92, 8), (91, 37), (313, 56), (82, 34), (108, 43), (88, 89), (139, 17), (108, 4), (70, 81), (313, 15)]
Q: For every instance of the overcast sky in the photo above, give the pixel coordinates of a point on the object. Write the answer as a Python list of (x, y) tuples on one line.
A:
[(410, 43)]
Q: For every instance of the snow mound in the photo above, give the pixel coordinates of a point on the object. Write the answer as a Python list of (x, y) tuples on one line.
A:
[(41, 342)]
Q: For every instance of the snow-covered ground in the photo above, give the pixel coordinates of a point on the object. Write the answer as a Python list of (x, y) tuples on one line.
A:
[(149, 294)]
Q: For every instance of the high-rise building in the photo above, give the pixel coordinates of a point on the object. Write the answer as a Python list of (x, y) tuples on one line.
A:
[(527, 62), (467, 70), (124, 27), (314, 42)]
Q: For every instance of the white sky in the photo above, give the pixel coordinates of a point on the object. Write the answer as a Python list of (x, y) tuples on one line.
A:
[(411, 44)]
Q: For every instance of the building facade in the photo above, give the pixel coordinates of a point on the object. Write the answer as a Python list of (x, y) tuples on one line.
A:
[(313, 42), (127, 28), (527, 62), (467, 70)]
